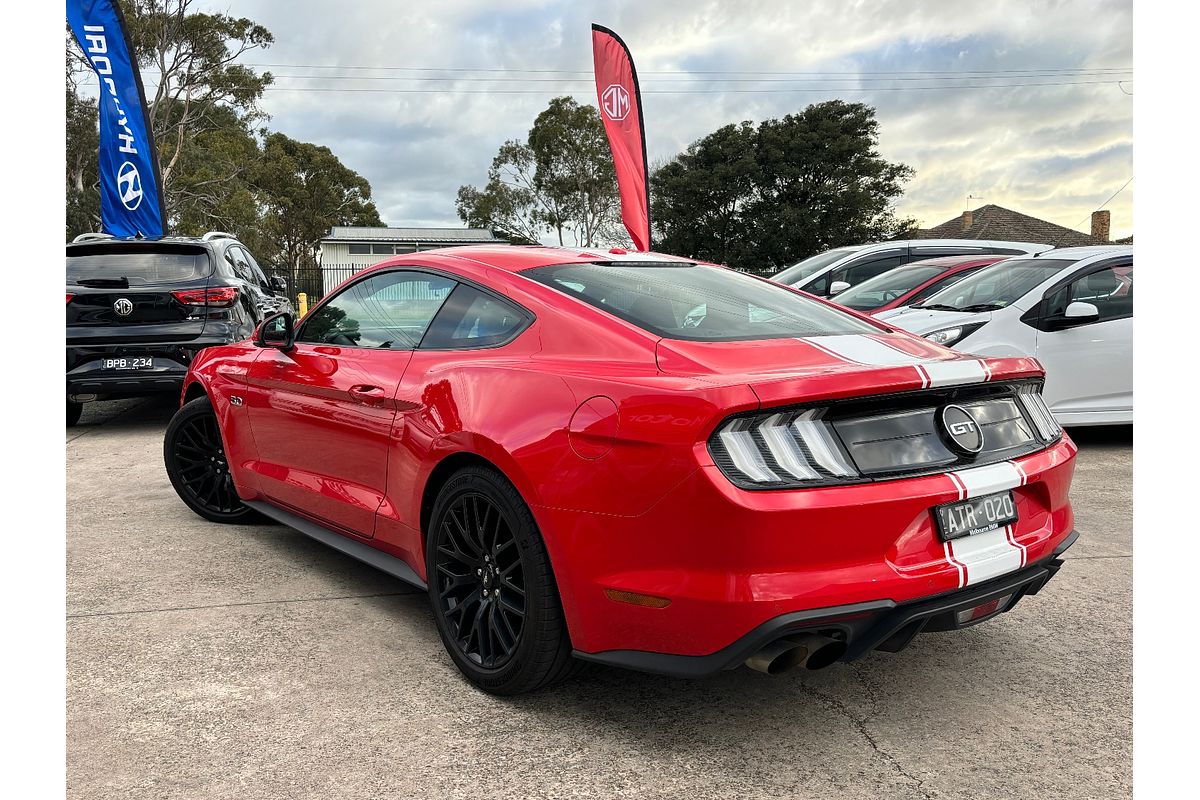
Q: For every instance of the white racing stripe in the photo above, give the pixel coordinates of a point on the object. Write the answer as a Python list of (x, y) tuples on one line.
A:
[(986, 555), (867, 350), (987, 480), (951, 373), (863, 350), (997, 552)]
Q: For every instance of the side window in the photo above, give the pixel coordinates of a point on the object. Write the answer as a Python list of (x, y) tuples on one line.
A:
[(241, 267), (940, 284), (820, 287), (857, 273), (1110, 290), (389, 310), (471, 318)]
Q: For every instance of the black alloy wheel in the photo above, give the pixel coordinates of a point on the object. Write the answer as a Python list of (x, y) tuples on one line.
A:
[(493, 592), (481, 588), (197, 466)]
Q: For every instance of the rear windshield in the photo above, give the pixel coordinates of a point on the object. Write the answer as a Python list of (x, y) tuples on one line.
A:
[(810, 266), (885, 288), (995, 287), (696, 302), (138, 265)]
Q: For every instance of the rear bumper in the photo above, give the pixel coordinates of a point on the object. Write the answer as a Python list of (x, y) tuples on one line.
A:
[(86, 374), (877, 625), (726, 561)]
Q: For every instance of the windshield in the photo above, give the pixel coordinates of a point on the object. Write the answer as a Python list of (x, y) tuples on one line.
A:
[(811, 266), (995, 287), (696, 302), (137, 265), (872, 293)]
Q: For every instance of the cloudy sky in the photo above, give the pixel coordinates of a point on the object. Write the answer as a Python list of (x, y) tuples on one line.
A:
[(1054, 151)]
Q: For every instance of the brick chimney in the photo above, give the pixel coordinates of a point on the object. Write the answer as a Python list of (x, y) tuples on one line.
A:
[(968, 218), (1101, 220)]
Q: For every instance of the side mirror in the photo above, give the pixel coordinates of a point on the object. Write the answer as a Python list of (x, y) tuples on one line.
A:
[(276, 331), (837, 287), (1082, 312), (279, 284)]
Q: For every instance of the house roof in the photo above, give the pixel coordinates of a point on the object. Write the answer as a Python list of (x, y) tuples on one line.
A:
[(996, 222), (344, 233)]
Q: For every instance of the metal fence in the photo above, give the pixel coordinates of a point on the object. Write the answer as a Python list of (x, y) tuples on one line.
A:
[(316, 282)]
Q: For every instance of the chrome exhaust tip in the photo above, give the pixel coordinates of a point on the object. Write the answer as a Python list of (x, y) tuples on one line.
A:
[(810, 650)]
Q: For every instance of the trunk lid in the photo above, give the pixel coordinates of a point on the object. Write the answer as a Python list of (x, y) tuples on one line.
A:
[(782, 371)]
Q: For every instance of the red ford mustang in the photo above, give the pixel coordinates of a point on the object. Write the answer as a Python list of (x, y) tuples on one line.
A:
[(634, 459)]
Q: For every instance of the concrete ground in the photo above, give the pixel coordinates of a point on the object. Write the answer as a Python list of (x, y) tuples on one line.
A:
[(209, 661)]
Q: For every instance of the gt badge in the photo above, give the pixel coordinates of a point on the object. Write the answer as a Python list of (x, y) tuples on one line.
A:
[(960, 430)]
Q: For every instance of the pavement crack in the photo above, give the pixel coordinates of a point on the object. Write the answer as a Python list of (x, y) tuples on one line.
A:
[(236, 605), (861, 726)]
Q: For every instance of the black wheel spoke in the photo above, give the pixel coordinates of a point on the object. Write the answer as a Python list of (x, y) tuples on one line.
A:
[(480, 587), (201, 465)]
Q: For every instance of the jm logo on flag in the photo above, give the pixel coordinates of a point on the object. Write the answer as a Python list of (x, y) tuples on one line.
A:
[(616, 102), (129, 184)]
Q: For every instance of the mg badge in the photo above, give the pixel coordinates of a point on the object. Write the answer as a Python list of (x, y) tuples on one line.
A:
[(123, 306), (960, 430), (615, 102)]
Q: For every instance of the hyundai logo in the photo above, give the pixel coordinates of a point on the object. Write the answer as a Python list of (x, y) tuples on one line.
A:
[(123, 306), (615, 102), (129, 184), (960, 430)]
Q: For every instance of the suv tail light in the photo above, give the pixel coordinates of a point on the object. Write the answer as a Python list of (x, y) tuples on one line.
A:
[(69, 296), (221, 297)]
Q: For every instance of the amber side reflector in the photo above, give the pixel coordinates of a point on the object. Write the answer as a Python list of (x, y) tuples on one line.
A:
[(633, 598)]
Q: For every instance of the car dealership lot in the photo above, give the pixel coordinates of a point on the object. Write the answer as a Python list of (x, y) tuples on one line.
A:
[(248, 661)]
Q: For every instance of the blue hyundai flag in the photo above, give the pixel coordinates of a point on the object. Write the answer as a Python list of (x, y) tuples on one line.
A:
[(130, 198)]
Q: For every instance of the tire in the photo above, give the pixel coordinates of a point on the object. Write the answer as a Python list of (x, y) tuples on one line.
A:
[(74, 410), (194, 453), (483, 540)]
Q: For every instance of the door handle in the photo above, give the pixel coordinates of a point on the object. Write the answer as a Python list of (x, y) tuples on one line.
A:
[(371, 395)]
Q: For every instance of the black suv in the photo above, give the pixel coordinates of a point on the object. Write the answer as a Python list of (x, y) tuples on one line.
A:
[(138, 311)]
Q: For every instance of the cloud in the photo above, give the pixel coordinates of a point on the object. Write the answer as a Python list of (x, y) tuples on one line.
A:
[(1053, 151)]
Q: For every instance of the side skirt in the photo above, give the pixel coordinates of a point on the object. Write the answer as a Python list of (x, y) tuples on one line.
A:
[(364, 553)]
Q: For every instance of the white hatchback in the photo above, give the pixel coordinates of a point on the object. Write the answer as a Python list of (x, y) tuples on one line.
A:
[(1072, 309)]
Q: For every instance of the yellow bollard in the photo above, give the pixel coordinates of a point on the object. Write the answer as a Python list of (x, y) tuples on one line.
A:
[(302, 303)]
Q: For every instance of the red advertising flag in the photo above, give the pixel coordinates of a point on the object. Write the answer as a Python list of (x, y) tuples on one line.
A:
[(621, 110)]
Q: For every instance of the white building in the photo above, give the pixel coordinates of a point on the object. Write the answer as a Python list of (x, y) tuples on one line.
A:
[(347, 250)]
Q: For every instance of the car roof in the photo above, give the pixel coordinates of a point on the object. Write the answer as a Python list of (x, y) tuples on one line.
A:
[(958, 261), (1080, 253), (518, 258), (149, 243)]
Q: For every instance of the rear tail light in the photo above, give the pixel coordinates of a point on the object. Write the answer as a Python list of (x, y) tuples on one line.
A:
[(221, 297), (1036, 409), (69, 296), (789, 448), (800, 448)]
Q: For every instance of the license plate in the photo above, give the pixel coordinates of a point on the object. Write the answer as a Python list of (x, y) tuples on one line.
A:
[(975, 516), (129, 362)]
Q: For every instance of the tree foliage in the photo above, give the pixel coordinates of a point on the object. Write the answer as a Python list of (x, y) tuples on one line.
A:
[(558, 182), (220, 170), (304, 190), (192, 56), (761, 198)]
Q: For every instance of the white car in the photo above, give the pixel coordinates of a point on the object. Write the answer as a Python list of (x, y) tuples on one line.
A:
[(1072, 309), (828, 273)]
